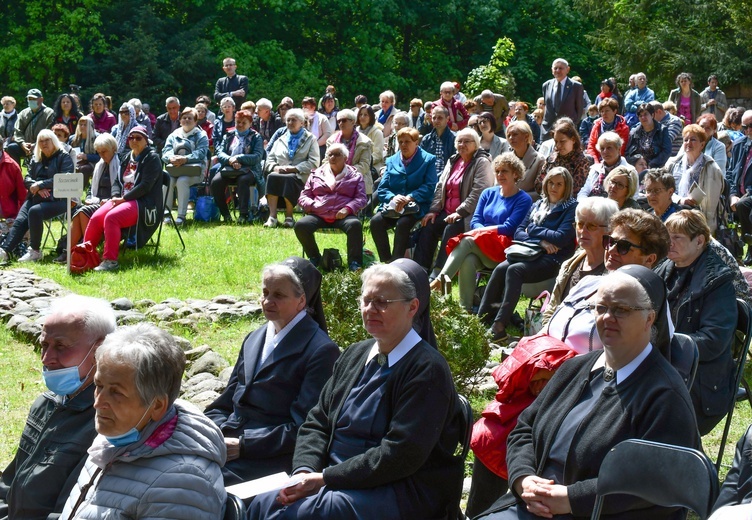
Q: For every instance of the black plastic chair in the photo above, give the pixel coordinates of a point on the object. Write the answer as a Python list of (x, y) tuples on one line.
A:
[(468, 421), (166, 182), (662, 474), (685, 356), (234, 508), (740, 346)]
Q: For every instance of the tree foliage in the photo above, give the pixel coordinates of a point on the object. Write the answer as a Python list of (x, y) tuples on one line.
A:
[(495, 76)]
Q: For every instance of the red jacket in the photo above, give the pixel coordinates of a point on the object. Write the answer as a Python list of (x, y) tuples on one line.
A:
[(513, 376), (621, 128), (457, 113), (12, 189)]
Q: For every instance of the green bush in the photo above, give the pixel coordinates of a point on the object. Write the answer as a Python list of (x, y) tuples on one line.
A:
[(461, 337), (495, 76)]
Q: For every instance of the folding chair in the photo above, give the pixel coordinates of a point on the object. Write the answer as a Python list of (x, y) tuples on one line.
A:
[(234, 508), (49, 233), (740, 346), (685, 356), (468, 421), (662, 474), (166, 182)]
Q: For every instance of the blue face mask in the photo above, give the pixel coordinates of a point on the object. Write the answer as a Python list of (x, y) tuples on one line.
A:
[(130, 436), (65, 381), (33, 104)]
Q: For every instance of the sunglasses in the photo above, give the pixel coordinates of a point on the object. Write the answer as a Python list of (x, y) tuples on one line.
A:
[(135, 138), (622, 246), (590, 226)]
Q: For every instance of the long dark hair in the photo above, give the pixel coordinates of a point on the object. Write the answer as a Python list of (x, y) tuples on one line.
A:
[(74, 106), (371, 115)]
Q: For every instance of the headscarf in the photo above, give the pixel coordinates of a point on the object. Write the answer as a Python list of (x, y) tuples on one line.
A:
[(310, 277), (124, 130), (422, 318), (293, 140), (656, 289)]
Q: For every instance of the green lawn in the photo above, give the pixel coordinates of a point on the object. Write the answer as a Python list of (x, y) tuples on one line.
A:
[(219, 259)]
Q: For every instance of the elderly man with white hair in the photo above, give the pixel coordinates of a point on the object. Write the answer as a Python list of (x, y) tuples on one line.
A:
[(60, 426), (266, 122), (496, 104), (457, 114), (563, 97), (141, 117)]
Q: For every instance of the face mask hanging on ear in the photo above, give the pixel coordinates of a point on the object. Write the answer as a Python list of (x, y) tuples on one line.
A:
[(66, 381), (129, 437)]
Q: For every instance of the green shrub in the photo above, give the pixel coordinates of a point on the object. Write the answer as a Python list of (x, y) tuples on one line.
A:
[(461, 337)]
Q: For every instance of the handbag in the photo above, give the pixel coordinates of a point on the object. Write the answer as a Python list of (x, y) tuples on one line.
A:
[(534, 314), (331, 260), (523, 252), (206, 209), (84, 257), (411, 208)]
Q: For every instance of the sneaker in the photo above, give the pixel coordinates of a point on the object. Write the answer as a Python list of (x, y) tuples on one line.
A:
[(289, 222), (180, 221), (107, 265), (167, 220), (32, 255), (63, 258), (271, 222)]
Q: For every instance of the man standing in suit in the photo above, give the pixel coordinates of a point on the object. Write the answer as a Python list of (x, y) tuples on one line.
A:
[(233, 85), (739, 177), (563, 97)]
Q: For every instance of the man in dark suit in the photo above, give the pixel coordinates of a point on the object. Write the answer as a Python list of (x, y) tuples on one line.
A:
[(563, 97), (739, 177), (233, 85)]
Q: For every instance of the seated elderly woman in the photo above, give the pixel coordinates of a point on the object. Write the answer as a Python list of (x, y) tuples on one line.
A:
[(358, 146), (610, 121), (106, 173), (466, 175), (592, 219), (404, 195), (609, 145), (333, 196), (153, 457), (126, 121), (135, 201), (239, 159), (225, 121), (48, 160), (380, 442), (520, 138), (499, 211), (568, 154), (287, 166), (621, 185), (279, 374), (549, 225), (12, 188), (650, 138), (593, 402), (659, 189), (697, 175), (702, 300), (316, 123), (185, 155), (400, 120), (713, 146)]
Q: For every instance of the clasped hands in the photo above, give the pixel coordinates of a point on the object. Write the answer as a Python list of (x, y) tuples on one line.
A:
[(309, 484), (543, 497), (431, 217)]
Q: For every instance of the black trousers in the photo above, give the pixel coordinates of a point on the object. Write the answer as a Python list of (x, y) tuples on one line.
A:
[(219, 186), (429, 237), (486, 487), (31, 217), (306, 227), (743, 211), (402, 226)]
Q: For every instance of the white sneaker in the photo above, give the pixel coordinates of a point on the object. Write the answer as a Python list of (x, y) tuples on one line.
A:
[(107, 265), (271, 222), (32, 255), (289, 222)]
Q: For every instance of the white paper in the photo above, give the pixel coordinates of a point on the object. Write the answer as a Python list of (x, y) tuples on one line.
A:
[(76, 151), (246, 490), (696, 193)]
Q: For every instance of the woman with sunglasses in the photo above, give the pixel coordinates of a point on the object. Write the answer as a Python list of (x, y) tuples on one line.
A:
[(595, 401), (702, 298), (136, 201)]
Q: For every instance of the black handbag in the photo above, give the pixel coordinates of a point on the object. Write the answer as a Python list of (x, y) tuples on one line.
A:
[(523, 252), (331, 260)]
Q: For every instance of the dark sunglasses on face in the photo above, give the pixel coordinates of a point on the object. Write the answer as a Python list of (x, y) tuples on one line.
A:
[(135, 138), (622, 246)]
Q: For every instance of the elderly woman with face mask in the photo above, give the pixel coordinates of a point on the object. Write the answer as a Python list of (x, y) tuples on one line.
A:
[(153, 457), (185, 156)]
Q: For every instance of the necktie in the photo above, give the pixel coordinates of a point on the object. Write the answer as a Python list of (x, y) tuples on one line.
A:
[(557, 96)]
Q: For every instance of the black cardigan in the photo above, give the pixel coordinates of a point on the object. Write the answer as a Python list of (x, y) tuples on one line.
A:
[(417, 452)]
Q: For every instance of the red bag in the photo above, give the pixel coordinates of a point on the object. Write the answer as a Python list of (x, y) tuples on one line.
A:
[(488, 240), (84, 257)]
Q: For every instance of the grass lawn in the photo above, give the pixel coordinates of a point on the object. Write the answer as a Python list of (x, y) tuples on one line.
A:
[(219, 259)]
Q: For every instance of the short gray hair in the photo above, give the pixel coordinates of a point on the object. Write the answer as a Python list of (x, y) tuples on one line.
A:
[(264, 103), (96, 314), (401, 116), (227, 101), (297, 113), (172, 99), (105, 140), (157, 360), (347, 114), (284, 271), (136, 103), (448, 85), (602, 207), (389, 95), (395, 275), (610, 137), (468, 132), (340, 147), (560, 60)]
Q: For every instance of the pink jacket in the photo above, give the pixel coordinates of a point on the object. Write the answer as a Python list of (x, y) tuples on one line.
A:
[(457, 113), (317, 198)]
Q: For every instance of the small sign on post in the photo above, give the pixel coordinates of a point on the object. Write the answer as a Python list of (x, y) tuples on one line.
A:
[(68, 186)]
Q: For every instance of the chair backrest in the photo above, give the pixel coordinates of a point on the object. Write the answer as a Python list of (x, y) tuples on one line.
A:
[(234, 508), (662, 474), (469, 421), (685, 356), (454, 510)]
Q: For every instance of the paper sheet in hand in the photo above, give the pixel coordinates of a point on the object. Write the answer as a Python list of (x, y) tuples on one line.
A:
[(255, 487), (696, 193)]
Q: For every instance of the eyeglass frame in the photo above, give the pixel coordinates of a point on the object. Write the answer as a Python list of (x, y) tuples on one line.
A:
[(608, 242), (378, 304)]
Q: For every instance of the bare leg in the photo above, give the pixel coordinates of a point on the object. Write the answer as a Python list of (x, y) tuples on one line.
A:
[(288, 208), (272, 201)]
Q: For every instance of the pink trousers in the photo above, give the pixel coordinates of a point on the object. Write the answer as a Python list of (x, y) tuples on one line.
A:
[(110, 220)]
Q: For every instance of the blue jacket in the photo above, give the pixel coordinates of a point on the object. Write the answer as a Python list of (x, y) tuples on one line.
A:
[(447, 140), (253, 154), (418, 180), (735, 168), (557, 228), (661, 144)]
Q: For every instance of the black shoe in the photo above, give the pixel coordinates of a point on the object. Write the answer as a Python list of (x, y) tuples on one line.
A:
[(498, 337)]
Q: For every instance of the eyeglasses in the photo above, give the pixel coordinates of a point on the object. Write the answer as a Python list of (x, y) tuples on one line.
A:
[(590, 226), (656, 191), (465, 141), (474, 125), (337, 154), (746, 127), (622, 245), (340, 121), (618, 185), (378, 303), (135, 138), (616, 311)]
